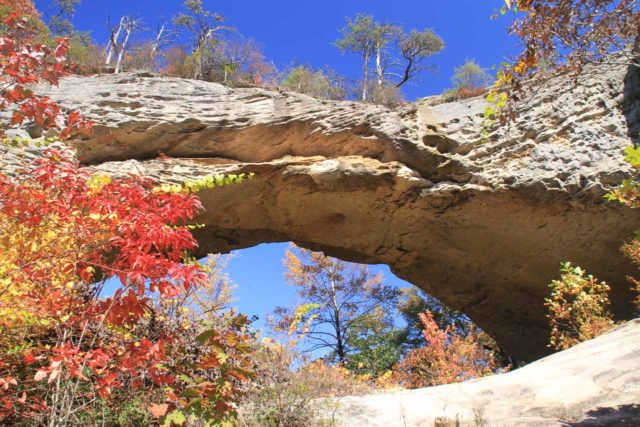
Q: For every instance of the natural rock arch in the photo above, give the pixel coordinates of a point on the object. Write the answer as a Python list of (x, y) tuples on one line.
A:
[(481, 225)]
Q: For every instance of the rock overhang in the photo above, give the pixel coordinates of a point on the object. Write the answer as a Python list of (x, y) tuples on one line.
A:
[(481, 224)]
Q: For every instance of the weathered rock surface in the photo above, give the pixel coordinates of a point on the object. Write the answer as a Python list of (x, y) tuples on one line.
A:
[(481, 225), (596, 383)]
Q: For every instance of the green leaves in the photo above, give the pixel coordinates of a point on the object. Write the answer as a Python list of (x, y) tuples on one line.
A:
[(175, 418), (628, 193), (17, 141), (632, 156), (577, 307), (489, 112)]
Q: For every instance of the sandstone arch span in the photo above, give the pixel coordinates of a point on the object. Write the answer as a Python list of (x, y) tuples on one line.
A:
[(481, 225)]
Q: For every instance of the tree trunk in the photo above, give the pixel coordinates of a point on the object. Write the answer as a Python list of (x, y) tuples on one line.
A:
[(379, 69), (113, 43), (340, 345), (156, 46), (365, 77), (407, 73), (122, 49), (197, 63)]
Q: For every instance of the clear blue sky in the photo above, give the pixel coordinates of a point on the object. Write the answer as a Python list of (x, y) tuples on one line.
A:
[(305, 31), (258, 272)]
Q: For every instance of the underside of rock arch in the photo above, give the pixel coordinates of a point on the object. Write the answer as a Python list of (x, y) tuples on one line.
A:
[(480, 224)]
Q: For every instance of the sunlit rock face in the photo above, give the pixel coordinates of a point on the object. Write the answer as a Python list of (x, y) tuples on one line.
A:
[(481, 224), (592, 384)]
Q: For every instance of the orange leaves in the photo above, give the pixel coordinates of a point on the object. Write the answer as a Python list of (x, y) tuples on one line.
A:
[(564, 36), (448, 357), (158, 411)]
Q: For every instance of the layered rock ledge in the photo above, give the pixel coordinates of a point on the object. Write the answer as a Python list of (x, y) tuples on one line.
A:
[(481, 225)]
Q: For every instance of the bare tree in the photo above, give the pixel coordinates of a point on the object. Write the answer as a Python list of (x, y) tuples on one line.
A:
[(164, 37), (129, 26), (114, 37), (203, 26)]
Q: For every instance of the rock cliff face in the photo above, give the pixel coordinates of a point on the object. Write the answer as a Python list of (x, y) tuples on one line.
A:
[(481, 225)]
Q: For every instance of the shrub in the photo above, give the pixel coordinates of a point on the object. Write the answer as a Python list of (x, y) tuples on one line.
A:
[(447, 357), (577, 308), (629, 195), (388, 95), (175, 62), (317, 83), (632, 251), (85, 57), (140, 57), (469, 80), (290, 391)]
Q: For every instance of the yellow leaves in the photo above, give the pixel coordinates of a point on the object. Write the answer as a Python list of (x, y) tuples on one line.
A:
[(169, 188), (302, 319), (97, 182), (48, 250), (207, 182), (102, 217), (520, 68)]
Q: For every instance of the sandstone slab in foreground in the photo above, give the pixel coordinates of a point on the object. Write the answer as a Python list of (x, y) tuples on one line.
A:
[(596, 383)]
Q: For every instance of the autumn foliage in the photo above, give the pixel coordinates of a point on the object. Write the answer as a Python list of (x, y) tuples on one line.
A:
[(64, 234), (24, 63), (564, 36), (25, 8), (632, 251), (577, 308), (447, 357), (90, 270), (572, 33)]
